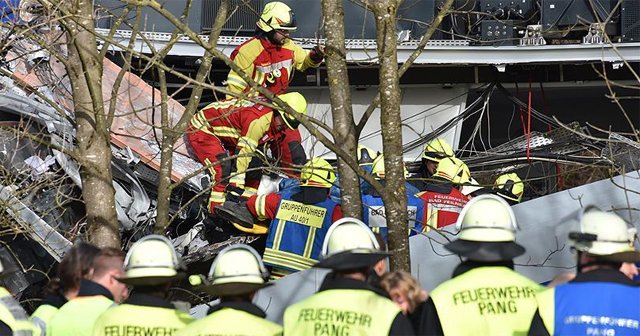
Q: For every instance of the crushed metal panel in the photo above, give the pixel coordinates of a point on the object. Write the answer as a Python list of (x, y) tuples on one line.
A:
[(544, 225), (41, 232), (623, 151)]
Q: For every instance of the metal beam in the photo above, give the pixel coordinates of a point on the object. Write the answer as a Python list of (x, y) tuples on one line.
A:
[(437, 52)]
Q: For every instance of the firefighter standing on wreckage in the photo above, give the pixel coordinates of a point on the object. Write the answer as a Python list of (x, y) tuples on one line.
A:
[(270, 58), (299, 218)]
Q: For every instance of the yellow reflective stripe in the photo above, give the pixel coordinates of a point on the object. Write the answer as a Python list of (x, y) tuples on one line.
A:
[(260, 207), (237, 180), (259, 77), (216, 197), (278, 236), (287, 259), (311, 237), (225, 131), (247, 141), (431, 219), (235, 80), (279, 273), (248, 192), (209, 166), (375, 229), (197, 121)]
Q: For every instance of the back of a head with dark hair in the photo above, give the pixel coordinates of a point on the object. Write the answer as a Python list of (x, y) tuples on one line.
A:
[(109, 259), (76, 265)]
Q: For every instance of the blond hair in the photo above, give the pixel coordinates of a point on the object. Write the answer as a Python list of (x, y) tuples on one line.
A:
[(407, 284)]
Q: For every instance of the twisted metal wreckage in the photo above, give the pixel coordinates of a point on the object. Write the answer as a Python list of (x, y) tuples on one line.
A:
[(40, 186)]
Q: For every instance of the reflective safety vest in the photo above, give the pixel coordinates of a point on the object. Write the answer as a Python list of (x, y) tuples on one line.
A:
[(442, 209), (341, 312), (296, 234), (135, 320), (591, 308), (486, 301), (14, 316), (232, 322), (42, 316), (374, 214), (78, 316)]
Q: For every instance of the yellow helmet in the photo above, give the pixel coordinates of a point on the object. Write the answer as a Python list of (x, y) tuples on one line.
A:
[(317, 172), (377, 168), (276, 15), (606, 235), (437, 149), (298, 103), (509, 186), (366, 155), (454, 170)]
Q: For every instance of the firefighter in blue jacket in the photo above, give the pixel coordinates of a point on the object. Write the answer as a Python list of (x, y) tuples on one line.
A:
[(299, 219), (373, 205), (600, 300)]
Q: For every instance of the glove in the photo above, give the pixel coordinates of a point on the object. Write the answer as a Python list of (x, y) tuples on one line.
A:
[(234, 194), (316, 54)]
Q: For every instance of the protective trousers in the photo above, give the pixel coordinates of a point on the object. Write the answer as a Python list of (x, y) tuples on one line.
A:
[(212, 153)]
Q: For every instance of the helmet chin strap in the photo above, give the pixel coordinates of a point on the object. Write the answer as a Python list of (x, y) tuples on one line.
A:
[(270, 36)]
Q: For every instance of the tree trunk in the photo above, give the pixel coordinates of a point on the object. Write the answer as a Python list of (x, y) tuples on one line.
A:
[(170, 134), (343, 123), (395, 198), (92, 133)]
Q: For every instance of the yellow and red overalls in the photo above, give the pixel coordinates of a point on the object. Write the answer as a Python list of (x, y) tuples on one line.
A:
[(272, 66), (230, 127)]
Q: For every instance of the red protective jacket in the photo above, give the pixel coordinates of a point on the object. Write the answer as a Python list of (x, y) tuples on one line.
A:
[(443, 204), (268, 64), (230, 127)]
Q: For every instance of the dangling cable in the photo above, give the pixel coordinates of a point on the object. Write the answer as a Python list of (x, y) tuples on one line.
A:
[(528, 132)]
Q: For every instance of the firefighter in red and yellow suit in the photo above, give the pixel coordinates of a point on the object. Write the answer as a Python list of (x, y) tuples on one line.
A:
[(299, 218), (442, 196), (270, 58), (237, 127)]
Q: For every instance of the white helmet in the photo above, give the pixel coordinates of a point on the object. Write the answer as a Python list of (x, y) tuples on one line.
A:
[(238, 269), (487, 218), (487, 227), (606, 235), (471, 187), (151, 261), (350, 244)]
